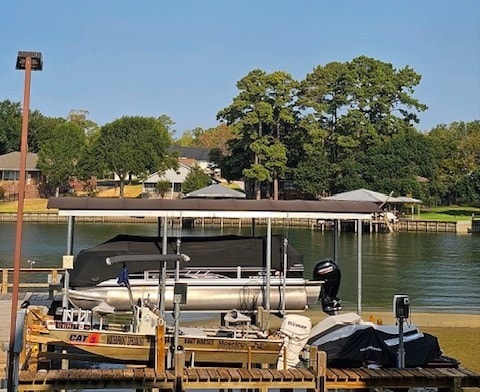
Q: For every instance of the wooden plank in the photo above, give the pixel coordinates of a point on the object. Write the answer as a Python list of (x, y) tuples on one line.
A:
[(234, 374), (287, 375), (139, 374), (307, 374), (62, 374), (26, 376), (426, 373), (150, 374), (352, 375), (340, 374), (51, 375), (265, 374), (393, 373), (191, 374), (255, 374), (223, 374), (128, 373), (295, 374), (74, 374), (276, 374), (203, 374), (245, 374), (213, 374), (363, 375), (438, 373)]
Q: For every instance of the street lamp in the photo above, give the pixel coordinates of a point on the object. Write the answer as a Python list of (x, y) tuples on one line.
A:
[(27, 61)]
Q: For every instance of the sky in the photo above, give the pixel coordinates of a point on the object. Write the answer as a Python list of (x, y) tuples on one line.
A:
[(184, 58)]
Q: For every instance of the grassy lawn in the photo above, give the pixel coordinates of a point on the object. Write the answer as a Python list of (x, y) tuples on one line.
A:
[(449, 213), (30, 205), (40, 205)]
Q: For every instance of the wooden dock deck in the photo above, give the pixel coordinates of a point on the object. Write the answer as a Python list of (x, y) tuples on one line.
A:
[(258, 379), (317, 378)]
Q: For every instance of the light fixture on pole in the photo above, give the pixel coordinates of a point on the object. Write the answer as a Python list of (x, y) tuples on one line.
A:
[(27, 61)]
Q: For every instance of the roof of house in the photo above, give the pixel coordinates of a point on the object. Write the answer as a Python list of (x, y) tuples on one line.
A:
[(11, 161), (197, 153), (372, 196), (171, 175), (216, 191)]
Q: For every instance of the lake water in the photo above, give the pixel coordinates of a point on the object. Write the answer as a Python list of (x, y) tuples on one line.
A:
[(439, 272)]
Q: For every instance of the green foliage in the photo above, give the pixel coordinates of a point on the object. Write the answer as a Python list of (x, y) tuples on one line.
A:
[(163, 187), (132, 146), (261, 116), (60, 154), (2, 192), (455, 178), (196, 179), (10, 126), (40, 129)]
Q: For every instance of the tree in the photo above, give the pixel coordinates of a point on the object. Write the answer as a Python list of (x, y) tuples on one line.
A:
[(60, 153), (134, 146), (40, 128), (457, 158), (162, 187), (196, 179), (10, 126), (260, 117), (353, 109)]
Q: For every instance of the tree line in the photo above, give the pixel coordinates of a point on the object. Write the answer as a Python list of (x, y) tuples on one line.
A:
[(344, 126)]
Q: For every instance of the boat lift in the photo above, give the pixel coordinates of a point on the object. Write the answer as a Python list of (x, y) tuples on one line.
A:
[(194, 208)]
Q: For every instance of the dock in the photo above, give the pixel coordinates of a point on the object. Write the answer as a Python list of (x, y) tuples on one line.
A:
[(258, 379), (317, 377)]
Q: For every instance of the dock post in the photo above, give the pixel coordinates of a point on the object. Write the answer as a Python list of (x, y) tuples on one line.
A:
[(321, 371), (179, 370), (160, 346)]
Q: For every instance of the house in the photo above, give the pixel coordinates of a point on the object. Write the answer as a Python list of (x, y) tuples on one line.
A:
[(10, 174), (175, 177), (10, 167)]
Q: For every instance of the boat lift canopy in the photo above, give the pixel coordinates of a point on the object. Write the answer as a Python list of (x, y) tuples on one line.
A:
[(220, 208)]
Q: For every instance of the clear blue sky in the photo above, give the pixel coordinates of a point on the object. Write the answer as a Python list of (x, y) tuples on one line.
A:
[(183, 58)]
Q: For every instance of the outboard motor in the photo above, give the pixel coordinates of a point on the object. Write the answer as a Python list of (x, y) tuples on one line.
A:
[(296, 331), (328, 271)]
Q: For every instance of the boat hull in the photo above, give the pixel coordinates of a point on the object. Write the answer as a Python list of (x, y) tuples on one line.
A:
[(135, 348), (215, 295)]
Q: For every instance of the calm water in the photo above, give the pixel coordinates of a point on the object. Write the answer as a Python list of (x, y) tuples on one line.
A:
[(439, 272)]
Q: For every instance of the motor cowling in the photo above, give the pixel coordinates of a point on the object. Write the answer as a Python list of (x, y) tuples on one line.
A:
[(328, 271)]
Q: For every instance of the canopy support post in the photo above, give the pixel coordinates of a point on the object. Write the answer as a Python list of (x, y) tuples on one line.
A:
[(359, 262)]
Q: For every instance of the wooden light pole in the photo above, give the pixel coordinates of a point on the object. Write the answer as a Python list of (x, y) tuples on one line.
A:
[(28, 61)]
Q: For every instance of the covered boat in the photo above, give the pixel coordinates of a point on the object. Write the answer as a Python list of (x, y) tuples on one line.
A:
[(351, 342), (230, 268)]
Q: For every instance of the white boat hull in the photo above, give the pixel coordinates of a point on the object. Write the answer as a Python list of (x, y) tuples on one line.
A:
[(216, 295)]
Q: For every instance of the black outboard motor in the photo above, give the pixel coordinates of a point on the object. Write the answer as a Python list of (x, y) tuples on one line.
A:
[(328, 271)]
